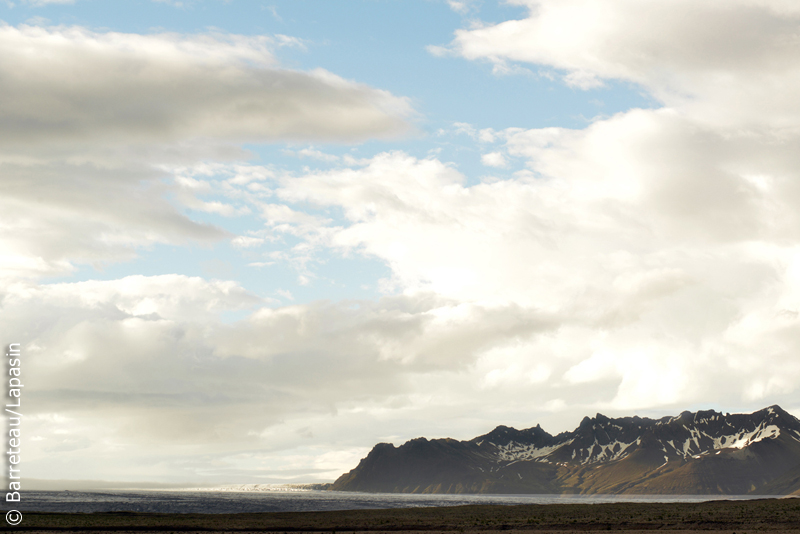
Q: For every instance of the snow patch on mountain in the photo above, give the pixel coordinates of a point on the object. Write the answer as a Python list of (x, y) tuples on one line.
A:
[(771, 431), (516, 451)]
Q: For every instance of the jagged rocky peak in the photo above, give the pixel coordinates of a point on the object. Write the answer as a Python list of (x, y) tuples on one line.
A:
[(504, 436), (710, 432), (775, 412), (686, 417), (719, 424), (602, 439)]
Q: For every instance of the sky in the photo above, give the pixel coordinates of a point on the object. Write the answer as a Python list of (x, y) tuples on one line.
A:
[(244, 241)]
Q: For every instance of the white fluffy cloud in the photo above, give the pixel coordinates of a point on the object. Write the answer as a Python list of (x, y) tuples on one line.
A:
[(494, 159), (678, 226), (640, 258), (735, 63)]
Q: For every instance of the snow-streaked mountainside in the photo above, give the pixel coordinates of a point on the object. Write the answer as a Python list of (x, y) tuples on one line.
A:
[(602, 439), (703, 452)]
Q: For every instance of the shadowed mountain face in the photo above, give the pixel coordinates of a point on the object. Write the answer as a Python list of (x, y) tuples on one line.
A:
[(694, 453)]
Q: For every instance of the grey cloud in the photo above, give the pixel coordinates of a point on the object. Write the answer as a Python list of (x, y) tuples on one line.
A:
[(58, 213), (70, 86), (135, 350)]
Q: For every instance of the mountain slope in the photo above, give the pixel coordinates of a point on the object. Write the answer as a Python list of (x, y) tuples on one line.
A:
[(706, 452)]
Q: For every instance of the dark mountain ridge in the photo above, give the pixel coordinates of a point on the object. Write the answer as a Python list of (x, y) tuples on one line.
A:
[(704, 452)]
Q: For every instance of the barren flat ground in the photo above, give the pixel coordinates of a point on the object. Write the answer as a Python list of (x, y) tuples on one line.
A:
[(741, 517)]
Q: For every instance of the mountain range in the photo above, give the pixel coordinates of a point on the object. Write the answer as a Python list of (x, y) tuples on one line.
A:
[(704, 452)]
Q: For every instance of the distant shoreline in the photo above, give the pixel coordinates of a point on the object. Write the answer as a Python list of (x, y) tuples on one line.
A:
[(716, 515)]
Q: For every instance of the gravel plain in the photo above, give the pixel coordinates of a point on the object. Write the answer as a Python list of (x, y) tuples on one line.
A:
[(740, 517)]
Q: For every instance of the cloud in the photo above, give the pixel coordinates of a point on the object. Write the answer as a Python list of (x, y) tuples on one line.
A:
[(460, 6), (686, 214), (315, 154), (147, 360), (94, 125), (127, 88), (40, 3), (730, 62), (55, 214), (247, 241), (645, 233), (681, 177), (494, 159)]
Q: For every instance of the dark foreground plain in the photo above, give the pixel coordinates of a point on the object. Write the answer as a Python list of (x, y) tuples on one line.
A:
[(741, 517)]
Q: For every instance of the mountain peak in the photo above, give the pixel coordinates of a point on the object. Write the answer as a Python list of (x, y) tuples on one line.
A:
[(776, 410)]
